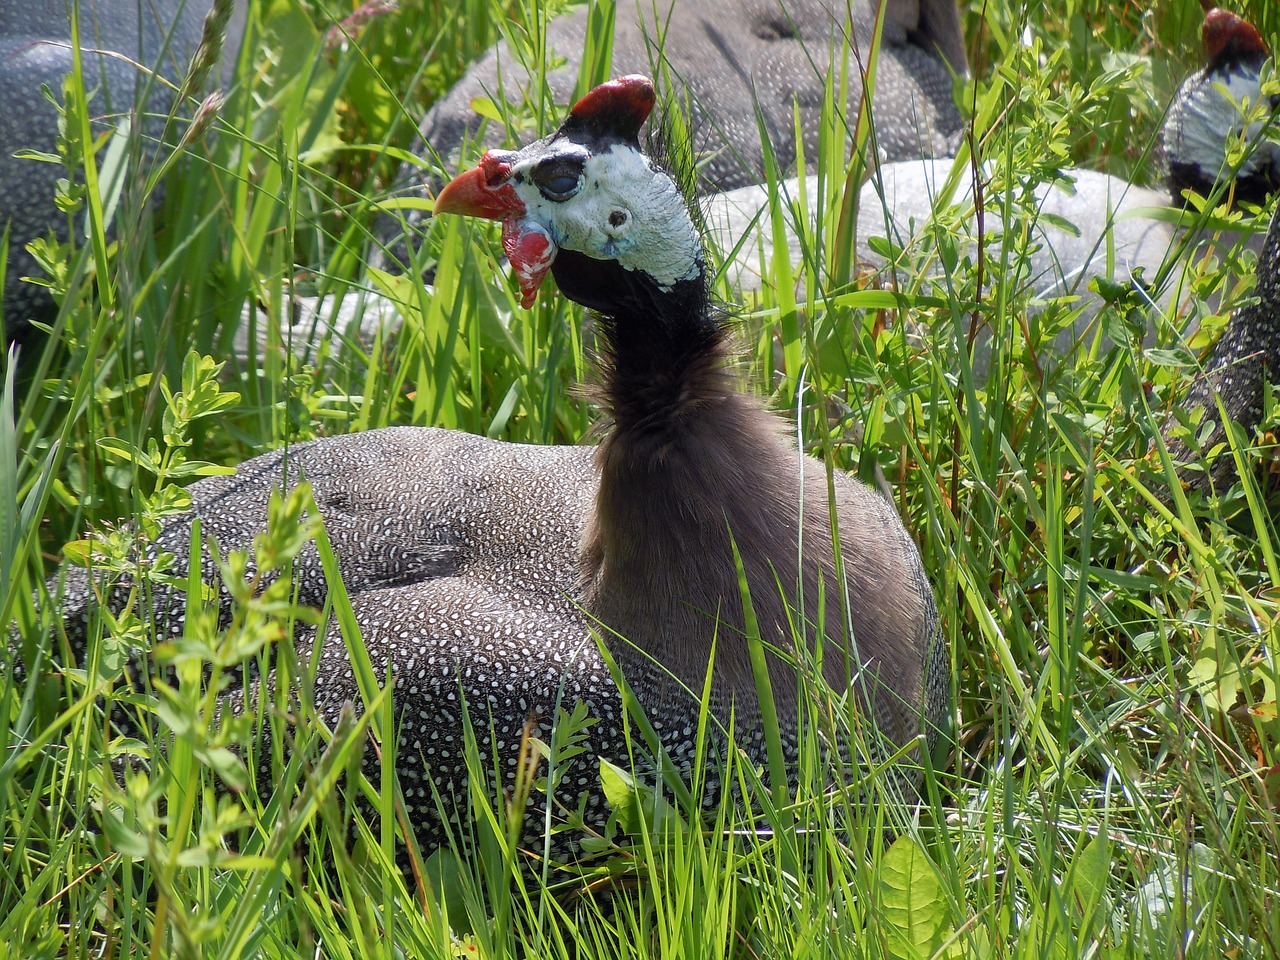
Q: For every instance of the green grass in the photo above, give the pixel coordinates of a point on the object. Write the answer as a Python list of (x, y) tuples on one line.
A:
[(1113, 787)]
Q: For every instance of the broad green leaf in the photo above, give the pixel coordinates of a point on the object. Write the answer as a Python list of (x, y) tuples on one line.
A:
[(487, 109), (123, 450), (913, 913), (1087, 880), (635, 804)]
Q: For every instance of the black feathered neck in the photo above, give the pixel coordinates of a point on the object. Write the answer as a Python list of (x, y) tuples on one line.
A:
[(659, 348)]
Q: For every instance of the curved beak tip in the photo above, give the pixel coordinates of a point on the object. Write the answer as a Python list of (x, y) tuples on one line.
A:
[(472, 194), (464, 195)]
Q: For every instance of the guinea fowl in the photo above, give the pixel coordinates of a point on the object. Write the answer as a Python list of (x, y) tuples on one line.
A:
[(122, 41), (1082, 225), (745, 67), (1202, 123), (1196, 138), (483, 567)]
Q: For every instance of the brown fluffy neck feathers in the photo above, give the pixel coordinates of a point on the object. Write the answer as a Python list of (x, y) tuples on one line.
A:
[(691, 467)]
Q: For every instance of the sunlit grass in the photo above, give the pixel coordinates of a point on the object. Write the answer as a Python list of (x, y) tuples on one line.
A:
[(1112, 788)]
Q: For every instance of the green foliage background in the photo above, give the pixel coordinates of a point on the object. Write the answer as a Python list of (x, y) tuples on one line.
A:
[(1114, 780)]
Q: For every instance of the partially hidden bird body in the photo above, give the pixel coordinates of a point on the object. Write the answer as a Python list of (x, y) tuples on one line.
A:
[(486, 573)]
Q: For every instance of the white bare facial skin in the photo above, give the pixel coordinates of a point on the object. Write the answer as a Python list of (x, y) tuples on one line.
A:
[(625, 210), (1213, 118)]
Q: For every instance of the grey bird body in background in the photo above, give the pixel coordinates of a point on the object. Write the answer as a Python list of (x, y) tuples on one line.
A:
[(122, 40), (741, 66), (740, 60), (1085, 226), (1075, 225)]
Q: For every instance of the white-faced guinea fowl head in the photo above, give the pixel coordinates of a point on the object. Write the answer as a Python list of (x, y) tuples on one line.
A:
[(1208, 116), (586, 191), (1226, 36)]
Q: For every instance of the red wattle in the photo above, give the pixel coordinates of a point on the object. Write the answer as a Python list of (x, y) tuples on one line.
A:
[(531, 251)]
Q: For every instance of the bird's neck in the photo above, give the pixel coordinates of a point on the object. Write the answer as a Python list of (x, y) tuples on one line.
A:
[(689, 469), (664, 364)]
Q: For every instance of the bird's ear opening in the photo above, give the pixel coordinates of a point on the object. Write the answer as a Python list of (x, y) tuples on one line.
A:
[(617, 108)]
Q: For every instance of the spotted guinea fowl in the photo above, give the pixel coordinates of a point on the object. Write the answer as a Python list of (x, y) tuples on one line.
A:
[(746, 68), (480, 570), (1204, 122), (123, 43)]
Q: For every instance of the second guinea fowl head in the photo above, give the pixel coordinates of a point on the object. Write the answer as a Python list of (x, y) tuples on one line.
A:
[(1207, 115), (587, 205)]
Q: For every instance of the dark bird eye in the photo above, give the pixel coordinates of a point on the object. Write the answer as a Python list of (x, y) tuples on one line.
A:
[(561, 184), (558, 179)]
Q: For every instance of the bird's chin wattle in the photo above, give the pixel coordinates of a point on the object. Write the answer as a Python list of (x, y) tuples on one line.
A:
[(531, 251)]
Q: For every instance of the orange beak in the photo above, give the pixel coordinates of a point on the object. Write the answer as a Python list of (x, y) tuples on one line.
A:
[(484, 191)]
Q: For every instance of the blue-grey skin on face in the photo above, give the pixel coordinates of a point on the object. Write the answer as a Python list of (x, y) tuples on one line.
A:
[(34, 50)]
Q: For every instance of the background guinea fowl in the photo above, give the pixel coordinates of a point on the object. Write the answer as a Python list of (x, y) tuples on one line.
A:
[(121, 39), (1200, 125), (1084, 226), (743, 62), (1248, 353), (741, 65), (479, 567)]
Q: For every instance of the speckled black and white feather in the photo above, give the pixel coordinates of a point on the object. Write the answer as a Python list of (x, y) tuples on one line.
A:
[(743, 62), (1243, 361), (741, 67), (122, 41)]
